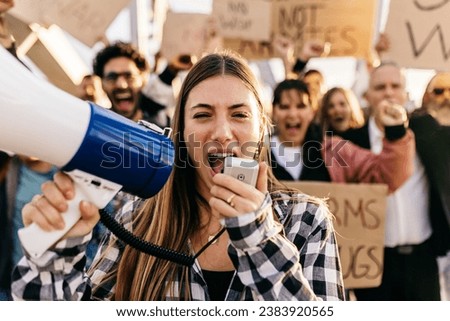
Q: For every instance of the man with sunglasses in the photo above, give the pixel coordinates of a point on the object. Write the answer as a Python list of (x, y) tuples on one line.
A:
[(436, 99), (431, 124), (417, 229), (132, 90)]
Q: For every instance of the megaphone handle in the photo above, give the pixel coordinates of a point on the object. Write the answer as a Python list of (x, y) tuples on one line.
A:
[(87, 187)]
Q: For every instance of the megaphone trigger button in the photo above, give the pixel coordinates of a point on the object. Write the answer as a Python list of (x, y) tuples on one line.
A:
[(96, 183)]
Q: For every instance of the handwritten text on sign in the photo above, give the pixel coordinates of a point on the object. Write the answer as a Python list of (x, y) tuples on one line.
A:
[(359, 211), (244, 19), (419, 33), (332, 21)]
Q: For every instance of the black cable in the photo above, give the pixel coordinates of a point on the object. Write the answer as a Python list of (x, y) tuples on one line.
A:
[(211, 241), (142, 245)]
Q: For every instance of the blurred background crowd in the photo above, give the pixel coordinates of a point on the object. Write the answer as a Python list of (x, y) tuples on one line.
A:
[(321, 72)]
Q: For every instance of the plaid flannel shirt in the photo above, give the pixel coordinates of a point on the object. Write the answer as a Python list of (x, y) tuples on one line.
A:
[(293, 259)]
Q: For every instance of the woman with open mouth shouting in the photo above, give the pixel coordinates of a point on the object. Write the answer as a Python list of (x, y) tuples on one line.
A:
[(263, 242)]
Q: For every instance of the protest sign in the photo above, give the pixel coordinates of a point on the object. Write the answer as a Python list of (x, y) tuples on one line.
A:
[(243, 19), (334, 22), (51, 52), (55, 56), (186, 33), (250, 49), (419, 34), (85, 20), (359, 216)]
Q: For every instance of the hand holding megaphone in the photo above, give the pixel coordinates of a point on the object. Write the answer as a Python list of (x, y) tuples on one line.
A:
[(47, 210), (102, 151), (61, 210)]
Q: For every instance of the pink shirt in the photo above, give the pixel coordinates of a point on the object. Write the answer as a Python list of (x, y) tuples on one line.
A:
[(349, 163)]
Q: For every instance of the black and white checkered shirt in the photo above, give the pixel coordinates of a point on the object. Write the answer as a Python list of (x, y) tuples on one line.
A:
[(293, 259)]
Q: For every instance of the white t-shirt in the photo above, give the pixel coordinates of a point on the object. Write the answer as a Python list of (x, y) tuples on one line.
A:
[(288, 157)]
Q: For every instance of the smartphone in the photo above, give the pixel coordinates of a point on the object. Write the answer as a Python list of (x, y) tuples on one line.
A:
[(243, 169)]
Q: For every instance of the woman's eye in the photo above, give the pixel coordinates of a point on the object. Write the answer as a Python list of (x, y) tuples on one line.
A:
[(200, 115), (241, 115)]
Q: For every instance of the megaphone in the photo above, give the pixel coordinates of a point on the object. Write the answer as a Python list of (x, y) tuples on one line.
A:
[(102, 151)]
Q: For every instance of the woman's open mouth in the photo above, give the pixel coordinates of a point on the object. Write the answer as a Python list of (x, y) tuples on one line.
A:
[(216, 161)]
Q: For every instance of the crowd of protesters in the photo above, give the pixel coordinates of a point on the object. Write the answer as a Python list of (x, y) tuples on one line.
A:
[(245, 227)]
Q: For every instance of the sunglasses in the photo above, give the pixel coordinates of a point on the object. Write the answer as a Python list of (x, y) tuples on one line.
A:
[(439, 91)]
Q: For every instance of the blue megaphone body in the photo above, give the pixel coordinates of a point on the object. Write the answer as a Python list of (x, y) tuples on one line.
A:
[(102, 151)]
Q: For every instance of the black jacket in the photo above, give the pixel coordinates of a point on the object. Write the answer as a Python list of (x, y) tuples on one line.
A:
[(433, 149)]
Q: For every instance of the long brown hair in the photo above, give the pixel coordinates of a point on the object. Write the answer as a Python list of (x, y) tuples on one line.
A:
[(171, 217), (356, 114)]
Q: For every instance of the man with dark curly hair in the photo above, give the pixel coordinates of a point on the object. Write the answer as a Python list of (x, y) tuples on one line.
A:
[(132, 90)]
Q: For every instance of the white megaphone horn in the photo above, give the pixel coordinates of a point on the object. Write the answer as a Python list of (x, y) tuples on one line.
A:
[(102, 151)]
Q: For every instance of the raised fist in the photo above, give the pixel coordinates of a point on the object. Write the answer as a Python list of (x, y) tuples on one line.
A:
[(390, 114)]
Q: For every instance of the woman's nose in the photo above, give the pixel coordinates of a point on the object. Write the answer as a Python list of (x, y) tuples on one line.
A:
[(222, 131), (292, 111)]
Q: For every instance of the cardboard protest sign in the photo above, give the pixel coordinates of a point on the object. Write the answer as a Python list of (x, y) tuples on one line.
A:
[(346, 24), (419, 34), (51, 52), (85, 20), (185, 33), (250, 49), (359, 211), (335, 22), (243, 19)]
